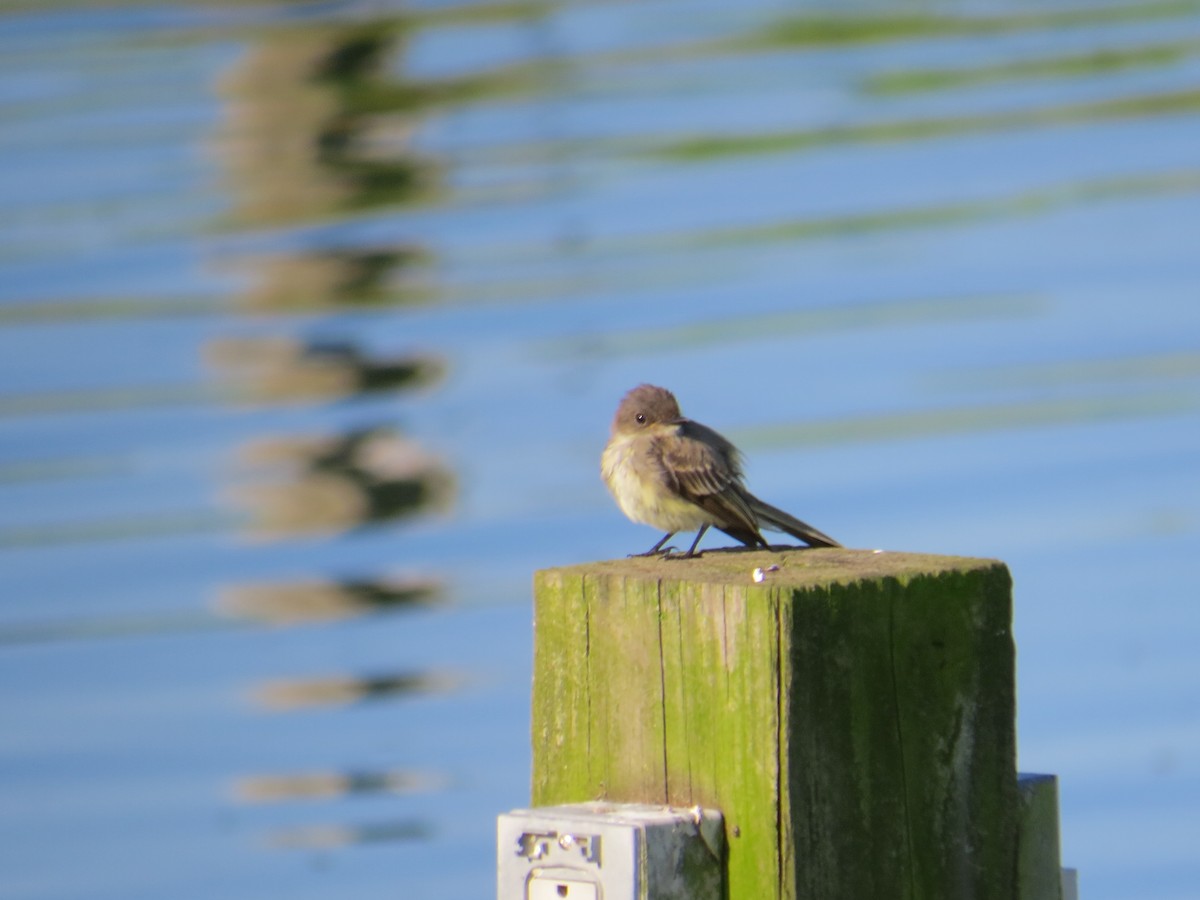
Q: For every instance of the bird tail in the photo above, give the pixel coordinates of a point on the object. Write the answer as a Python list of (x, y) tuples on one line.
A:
[(772, 517)]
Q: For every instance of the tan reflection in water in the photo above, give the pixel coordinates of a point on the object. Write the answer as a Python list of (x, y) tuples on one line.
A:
[(340, 690), (331, 484), (333, 278), (300, 141), (287, 603), (324, 785), (279, 369)]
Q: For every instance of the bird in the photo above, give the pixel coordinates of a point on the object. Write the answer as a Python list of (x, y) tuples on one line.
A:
[(675, 474)]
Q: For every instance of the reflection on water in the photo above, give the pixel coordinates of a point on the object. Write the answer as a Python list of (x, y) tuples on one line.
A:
[(116, 528), (834, 28), (78, 628), (1172, 368), (1067, 65), (1055, 115), (325, 837), (313, 601), (319, 124), (325, 279), (891, 221), (340, 690), (340, 482), (252, 370), (297, 144), (273, 370), (720, 329), (968, 419), (344, 245), (324, 785)]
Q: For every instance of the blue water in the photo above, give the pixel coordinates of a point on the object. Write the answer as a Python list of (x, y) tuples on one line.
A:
[(302, 377)]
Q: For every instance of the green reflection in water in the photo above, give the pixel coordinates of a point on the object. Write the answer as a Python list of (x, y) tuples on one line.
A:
[(253, 371), (134, 527), (1123, 370), (1153, 104), (1026, 203), (114, 626), (1096, 62), (63, 469), (355, 67), (311, 282), (328, 837), (835, 29), (924, 424), (725, 330), (344, 278)]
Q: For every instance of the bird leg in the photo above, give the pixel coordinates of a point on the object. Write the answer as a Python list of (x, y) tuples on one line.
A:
[(692, 549), (658, 547)]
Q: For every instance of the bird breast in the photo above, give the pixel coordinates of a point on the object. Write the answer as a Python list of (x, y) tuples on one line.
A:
[(635, 480)]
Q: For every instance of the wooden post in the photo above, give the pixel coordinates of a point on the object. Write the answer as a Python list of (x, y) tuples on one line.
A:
[(1039, 872), (852, 714)]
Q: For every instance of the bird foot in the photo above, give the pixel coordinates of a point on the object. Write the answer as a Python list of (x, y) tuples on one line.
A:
[(663, 552), (672, 553)]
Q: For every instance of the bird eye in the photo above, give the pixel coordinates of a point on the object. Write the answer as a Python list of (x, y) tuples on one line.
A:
[(641, 417)]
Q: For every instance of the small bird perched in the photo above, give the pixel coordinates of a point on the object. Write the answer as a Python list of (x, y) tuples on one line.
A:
[(678, 475)]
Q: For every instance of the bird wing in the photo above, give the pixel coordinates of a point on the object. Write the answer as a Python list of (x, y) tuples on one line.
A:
[(704, 469)]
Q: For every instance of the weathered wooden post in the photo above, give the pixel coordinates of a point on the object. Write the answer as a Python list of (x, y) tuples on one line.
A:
[(851, 714)]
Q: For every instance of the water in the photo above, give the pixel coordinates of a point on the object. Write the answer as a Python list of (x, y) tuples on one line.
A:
[(313, 316)]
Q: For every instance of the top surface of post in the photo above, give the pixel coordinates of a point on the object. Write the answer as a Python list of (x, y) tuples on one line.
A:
[(798, 567)]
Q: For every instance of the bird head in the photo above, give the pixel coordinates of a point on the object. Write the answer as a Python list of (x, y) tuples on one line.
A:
[(644, 406)]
